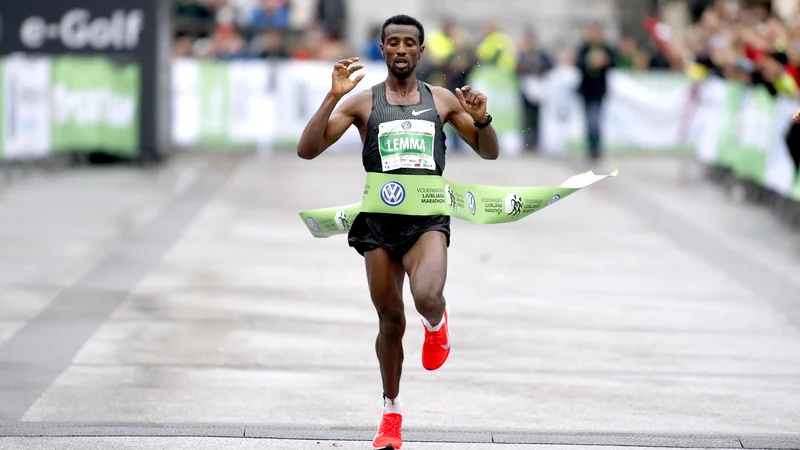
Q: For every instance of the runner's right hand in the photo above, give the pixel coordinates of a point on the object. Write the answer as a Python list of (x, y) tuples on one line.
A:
[(796, 117), (342, 84)]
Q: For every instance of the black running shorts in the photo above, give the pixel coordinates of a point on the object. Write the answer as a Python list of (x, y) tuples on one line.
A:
[(394, 233)]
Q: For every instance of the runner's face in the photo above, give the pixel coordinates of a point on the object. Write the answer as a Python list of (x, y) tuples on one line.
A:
[(401, 49)]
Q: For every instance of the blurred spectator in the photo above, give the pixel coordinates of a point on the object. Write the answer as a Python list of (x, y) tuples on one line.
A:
[(228, 44), (439, 43), (696, 8), (305, 47), (653, 57), (236, 29), (595, 58), (271, 45), (439, 47), (192, 9), (182, 47), (270, 14), (332, 17), (534, 62), (497, 48), (747, 45), (628, 54), (372, 52), (456, 70)]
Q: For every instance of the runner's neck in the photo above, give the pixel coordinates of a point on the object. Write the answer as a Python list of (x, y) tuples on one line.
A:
[(403, 87)]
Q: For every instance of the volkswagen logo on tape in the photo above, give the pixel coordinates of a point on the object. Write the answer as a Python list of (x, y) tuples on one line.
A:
[(313, 225), (393, 193)]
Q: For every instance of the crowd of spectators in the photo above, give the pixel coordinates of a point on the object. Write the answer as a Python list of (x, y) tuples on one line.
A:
[(742, 41), (736, 39), (246, 29), (266, 29)]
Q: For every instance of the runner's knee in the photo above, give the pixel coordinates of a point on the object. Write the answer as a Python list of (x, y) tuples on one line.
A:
[(392, 322), (428, 295)]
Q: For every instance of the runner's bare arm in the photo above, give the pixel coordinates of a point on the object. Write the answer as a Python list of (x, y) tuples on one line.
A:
[(327, 126), (324, 128), (465, 108)]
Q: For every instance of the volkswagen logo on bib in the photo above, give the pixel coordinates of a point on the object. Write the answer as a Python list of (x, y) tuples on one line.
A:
[(393, 193), (471, 202)]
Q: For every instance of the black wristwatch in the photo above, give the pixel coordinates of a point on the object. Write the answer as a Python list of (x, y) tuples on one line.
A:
[(483, 125)]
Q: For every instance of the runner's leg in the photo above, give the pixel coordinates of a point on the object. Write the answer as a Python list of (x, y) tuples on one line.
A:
[(385, 278), (426, 265)]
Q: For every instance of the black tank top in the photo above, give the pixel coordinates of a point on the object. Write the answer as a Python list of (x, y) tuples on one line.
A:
[(404, 140)]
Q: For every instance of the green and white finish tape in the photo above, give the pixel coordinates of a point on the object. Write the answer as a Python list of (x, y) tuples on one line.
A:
[(430, 195)]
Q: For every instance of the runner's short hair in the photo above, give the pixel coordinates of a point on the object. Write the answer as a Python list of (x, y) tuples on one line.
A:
[(403, 19)]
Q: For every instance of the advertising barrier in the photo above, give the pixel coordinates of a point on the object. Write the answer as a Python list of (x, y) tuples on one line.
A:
[(68, 104), (743, 129), (271, 102), (644, 112), (130, 33), (233, 105), (56, 104)]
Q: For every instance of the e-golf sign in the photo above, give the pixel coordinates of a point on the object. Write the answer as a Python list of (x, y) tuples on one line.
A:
[(125, 31), (77, 29)]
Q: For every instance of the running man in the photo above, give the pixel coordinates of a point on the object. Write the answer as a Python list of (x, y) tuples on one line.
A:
[(394, 246)]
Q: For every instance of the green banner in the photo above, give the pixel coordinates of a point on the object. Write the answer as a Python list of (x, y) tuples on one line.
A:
[(727, 147), (214, 80), (502, 89), (754, 135), (796, 191), (95, 105), (417, 195)]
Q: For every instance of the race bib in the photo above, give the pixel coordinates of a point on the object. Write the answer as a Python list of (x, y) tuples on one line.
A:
[(406, 144)]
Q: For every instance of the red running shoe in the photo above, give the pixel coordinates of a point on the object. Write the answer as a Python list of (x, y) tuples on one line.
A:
[(390, 434), (436, 348)]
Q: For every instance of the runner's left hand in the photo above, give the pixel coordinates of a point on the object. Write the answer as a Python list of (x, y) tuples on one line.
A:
[(474, 102), (796, 117)]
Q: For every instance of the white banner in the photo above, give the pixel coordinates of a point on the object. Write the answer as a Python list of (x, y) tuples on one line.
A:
[(186, 108), (223, 104), (26, 108), (707, 120), (642, 112), (259, 102), (252, 106), (302, 87)]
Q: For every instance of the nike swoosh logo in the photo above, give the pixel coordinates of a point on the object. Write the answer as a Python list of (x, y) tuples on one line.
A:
[(447, 346), (416, 113)]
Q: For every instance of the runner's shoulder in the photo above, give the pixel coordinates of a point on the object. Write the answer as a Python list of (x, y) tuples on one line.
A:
[(440, 93), (438, 90)]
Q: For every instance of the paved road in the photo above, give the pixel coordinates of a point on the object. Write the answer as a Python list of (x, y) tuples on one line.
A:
[(192, 301)]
